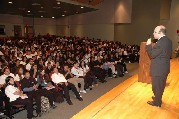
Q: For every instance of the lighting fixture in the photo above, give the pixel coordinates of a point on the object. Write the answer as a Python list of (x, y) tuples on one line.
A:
[(10, 2)]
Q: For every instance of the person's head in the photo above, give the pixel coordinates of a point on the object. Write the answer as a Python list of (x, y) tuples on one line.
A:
[(41, 61), (20, 70), (159, 31), (66, 68), (82, 63), (17, 62), (9, 80), (27, 75), (55, 70), (75, 65), (28, 52), (35, 66), (43, 72), (6, 71), (31, 61), (20, 54), (49, 65), (48, 59)]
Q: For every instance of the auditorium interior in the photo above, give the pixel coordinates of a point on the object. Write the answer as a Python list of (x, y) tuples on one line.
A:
[(84, 59)]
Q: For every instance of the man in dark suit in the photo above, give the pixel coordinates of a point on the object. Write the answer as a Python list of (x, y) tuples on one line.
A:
[(160, 55)]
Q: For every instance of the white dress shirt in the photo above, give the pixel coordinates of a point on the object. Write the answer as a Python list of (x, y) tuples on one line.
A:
[(77, 71), (3, 78), (9, 91), (58, 78), (28, 67), (17, 78)]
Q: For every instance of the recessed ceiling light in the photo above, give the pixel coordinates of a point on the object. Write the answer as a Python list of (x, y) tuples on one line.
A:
[(53, 17), (41, 16), (82, 7), (41, 7), (28, 11), (10, 2), (58, 3), (63, 15)]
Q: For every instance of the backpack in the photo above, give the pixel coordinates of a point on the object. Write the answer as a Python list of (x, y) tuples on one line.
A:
[(45, 105)]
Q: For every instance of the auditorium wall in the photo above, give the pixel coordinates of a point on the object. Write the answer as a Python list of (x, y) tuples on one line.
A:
[(97, 24), (41, 25), (9, 21), (145, 16), (172, 24)]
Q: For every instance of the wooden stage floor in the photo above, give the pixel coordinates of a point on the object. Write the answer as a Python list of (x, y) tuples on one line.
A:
[(129, 100)]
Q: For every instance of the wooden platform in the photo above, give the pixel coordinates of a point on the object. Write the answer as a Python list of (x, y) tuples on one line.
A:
[(128, 100)]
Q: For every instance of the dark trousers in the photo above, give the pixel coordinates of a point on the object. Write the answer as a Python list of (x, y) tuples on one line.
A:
[(89, 78), (99, 73), (124, 68), (49, 94), (119, 68), (158, 86), (1, 100), (28, 104), (37, 97), (66, 90)]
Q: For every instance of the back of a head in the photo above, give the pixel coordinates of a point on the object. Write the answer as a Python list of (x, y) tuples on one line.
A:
[(163, 29)]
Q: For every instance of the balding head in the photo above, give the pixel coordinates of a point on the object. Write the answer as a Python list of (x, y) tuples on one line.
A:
[(159, 31)]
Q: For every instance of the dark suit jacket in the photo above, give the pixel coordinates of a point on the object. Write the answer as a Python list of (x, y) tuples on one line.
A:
[(160, 55)]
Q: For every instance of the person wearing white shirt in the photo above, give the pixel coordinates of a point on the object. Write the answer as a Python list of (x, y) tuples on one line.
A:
[(16, 97), (29, 65), (5, 75), (74, 80), (49, 60), (76, 71), (61, 82), (28, 54)]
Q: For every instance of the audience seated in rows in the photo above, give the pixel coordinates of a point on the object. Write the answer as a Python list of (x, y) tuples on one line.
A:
[(53, 65)]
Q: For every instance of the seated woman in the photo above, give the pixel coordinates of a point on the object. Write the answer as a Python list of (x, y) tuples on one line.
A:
[(19, 74), (17, 97), (89, 78)]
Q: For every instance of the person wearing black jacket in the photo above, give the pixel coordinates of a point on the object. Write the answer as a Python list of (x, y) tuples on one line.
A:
[(30, 87)]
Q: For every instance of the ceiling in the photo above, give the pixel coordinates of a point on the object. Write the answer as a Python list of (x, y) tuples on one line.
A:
[(47, 8), (90, 2)]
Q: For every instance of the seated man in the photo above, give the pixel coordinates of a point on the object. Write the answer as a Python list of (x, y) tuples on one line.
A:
[(17, 97), (6, 73), (60, 80), (75, 76), (122, 64), (96, 68), (30, 87)]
